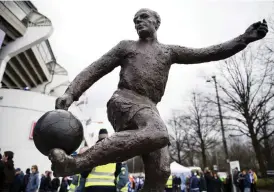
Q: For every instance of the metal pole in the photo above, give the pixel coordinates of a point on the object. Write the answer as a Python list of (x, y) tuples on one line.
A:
[(217, 160), (221, 119), (133, 167)]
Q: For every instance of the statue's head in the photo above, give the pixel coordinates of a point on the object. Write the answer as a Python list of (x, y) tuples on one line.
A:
[(146, 23)]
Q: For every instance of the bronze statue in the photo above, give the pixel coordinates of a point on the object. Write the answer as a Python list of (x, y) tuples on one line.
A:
[(132, 111)]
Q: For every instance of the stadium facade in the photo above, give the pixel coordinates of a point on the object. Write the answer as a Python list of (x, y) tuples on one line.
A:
[(31, 79)]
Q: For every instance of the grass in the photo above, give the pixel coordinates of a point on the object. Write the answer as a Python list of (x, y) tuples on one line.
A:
[(265, 183)]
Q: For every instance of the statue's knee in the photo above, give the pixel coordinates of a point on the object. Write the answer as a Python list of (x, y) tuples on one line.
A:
[(164, 137), (159, 130), (158, 137)]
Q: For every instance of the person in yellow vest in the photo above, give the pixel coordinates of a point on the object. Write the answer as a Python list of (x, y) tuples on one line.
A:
[(102, 178), (75, 183), (122, 179), (169, 183), (78, 183), (75, 179), (80, 179), (254, 179)]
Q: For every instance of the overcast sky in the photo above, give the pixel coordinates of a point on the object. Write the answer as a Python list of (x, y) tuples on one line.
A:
[(85, 30)]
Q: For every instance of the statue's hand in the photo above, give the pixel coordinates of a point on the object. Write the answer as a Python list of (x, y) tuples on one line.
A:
[(64, 101), (256, 31)]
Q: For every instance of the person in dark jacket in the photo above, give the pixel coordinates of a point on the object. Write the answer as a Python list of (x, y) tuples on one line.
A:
[(17, 184), (194, 183), (42, 182), (241, 178), (217, 183), (228, 183), (236, 174), (21, 176), (55, 184), (64, 185), (122, 179), (2, 176), (202, 183), (209, 180), (246, 181), (26, 179), (7, 171), (177, 184), (45, 185), (48, 182)]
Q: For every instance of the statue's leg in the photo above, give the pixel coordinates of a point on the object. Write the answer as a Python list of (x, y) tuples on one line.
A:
[(157, 170), (149, 134)]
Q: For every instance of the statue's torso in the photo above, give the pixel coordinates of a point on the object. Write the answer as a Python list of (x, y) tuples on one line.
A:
[(144, 69)]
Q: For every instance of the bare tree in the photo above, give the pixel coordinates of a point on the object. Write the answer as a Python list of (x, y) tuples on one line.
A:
[(266, 123), (269, 39), (202, 125), (190, 149), (181, 145), (193, 132), (271, 152), (176, 148), (242, 151), (248, 94), (239, 149)]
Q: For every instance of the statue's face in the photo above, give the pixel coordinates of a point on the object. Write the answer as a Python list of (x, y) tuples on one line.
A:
[(145, 24)]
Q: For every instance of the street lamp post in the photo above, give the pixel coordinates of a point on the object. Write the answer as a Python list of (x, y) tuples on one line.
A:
[(221, 118), (133, 163)]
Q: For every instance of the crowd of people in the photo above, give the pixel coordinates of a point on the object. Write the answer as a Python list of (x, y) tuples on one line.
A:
[(197, 182), (136, 183), (208, 181), (244, 181), (112, 177), (15, 180)]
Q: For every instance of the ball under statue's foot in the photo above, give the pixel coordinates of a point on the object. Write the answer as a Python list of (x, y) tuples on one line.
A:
[(62, 164)]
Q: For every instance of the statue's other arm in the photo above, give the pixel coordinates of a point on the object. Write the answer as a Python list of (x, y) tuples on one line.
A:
[(184, 55), (96, 70)]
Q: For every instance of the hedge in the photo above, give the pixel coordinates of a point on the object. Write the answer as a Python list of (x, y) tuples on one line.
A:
[(265, 183)]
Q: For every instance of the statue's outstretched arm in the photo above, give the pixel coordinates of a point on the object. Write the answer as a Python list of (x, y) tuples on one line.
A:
[(184, 55), (95, 71)]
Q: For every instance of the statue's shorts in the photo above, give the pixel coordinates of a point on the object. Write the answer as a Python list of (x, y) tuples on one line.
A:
[(123, 106)]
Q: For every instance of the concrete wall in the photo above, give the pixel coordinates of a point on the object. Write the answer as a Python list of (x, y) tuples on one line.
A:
[(18, 110)]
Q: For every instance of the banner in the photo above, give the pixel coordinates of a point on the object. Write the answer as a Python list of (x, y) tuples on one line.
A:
[(234, 164), (270, 173), (31, 130), (2, 37)]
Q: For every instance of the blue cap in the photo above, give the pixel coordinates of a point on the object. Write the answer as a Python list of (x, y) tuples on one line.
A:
[(74, 153)]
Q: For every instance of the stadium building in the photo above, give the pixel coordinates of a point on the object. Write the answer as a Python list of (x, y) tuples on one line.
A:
[(31, 79)]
